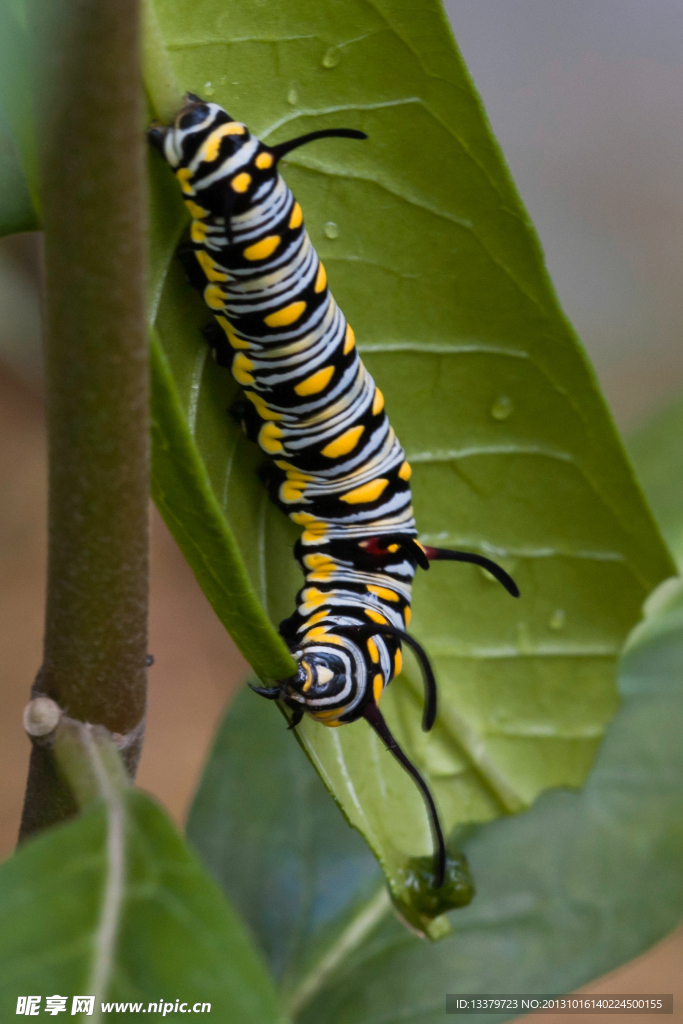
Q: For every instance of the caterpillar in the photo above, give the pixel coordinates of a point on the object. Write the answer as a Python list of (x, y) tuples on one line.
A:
[(335, 466)]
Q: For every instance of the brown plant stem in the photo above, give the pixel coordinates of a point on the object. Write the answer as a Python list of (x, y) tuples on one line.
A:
[(88, 91)]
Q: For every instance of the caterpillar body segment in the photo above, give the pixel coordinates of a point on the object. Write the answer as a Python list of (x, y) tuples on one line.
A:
[(335, 465)]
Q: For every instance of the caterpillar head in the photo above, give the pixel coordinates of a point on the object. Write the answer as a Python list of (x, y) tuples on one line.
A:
[(322, 676), (201, 134)]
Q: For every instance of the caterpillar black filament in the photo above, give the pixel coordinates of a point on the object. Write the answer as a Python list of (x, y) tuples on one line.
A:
[(335, 465)]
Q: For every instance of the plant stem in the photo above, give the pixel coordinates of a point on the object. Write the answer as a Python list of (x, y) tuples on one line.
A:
[(93, 195)]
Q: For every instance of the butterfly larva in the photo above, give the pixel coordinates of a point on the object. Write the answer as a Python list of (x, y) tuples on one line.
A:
[(336, 467)]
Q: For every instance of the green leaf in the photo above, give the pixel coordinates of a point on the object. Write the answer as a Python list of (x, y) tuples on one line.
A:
[(656, 449), (433, 259), (17, 141), (72, 925), (565, 892)]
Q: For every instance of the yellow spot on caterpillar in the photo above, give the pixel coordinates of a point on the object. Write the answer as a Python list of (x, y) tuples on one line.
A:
[(183, 174), (196, 211), (377, 687), (372, 650), (313, 598), (262, 408), (375, 616), (268, 438), (367, 492), (322, 575), (285, 316), (314, 535), (318, 617), (320, 280), (212, 146), (198, 231), (230, 333), (407, 615), (214, 297), (263, 249), (328, 718), (383, 592), (349, 339), (302, 518), (316, 560), (291, 491), (345, 443), (398, 661), (393, 548), (320, 633), (295, 474), (296, 219), (241, 182), (406, 471), (377, 402), (315, 530), (264, 161), (309, 676), (241, 367), (318, 381), (210, 267)]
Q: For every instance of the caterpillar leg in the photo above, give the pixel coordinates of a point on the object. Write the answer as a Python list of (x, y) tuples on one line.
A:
[(188, 260), (374, 717), (215, 338), (243, 412)]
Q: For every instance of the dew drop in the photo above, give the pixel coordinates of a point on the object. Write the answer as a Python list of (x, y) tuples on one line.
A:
[(332, 57), (331, 229), (293, 97), (208, 89), (557, 619), (502, 408)]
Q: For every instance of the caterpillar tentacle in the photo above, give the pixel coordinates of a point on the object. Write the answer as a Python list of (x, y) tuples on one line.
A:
[(374, 716), (497, 571), (335, 465)]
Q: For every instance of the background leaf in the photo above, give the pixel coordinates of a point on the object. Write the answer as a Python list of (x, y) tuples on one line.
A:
[(177, 937), (565, 892), (17, 139), (656, 449), (432, 257)]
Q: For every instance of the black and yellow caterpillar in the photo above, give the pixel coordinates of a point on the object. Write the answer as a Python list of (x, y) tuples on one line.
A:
[(336, 467)]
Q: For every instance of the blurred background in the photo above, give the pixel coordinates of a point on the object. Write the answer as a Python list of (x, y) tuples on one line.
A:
[(586, 99)]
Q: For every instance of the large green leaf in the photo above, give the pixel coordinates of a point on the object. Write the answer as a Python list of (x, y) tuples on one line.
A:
[(657, 452), (17, 139), (115, 905), (433, 259), (565, 892)]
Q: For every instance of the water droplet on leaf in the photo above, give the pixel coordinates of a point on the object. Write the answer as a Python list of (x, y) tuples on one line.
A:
[(208, 89), (332, 57), (331, 229), (557, 619), (502, 408)]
